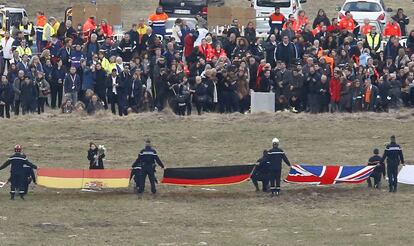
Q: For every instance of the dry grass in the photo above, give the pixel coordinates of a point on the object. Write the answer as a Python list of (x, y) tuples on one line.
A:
[(231, 215)]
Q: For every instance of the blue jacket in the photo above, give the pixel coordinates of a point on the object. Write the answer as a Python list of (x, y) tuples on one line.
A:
[(393, 154), (72, 85), (88, 81), (275, 156), (18, 162), (148, 157)]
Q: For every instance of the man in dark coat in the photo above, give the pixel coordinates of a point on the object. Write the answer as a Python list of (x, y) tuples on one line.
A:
[(126, 48), (147, 159), (100, 84), (286, 51), (275, 156), (6, 97), (394, 156)]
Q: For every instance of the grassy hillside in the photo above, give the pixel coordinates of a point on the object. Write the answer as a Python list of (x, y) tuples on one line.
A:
[(229, 215)]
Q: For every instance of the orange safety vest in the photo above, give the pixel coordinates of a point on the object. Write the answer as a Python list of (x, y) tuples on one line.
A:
[(277, 19)]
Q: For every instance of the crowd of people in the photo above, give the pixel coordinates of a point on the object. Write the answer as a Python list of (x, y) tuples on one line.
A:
[(327, 65)]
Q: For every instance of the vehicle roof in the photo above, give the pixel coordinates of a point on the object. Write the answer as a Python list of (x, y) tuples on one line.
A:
[(12, 9), (371, 1)]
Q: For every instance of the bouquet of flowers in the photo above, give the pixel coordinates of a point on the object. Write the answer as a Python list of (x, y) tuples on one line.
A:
[(101, 150)]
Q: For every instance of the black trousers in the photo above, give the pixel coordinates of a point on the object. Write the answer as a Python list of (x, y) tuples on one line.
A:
[(56, 94), (147, 171), (274, 177), (114, 100), (16, 107), (41, 104), (27, 182), (260, 176), (5, 109), (377, 179), (200, 107), (17, 184), (392, 171)]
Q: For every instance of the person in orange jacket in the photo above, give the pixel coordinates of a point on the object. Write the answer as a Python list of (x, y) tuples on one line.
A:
[(295, 27), (276, 21), (40, 23), (88, 28), (347, 22), (392, 29), (157, 21), (366, 28), (106, 29), (302, 20)]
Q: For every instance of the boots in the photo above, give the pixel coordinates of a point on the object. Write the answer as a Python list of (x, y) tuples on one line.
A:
[(11, 195)]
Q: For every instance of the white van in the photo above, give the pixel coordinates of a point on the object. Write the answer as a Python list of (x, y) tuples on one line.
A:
[(264, 8)]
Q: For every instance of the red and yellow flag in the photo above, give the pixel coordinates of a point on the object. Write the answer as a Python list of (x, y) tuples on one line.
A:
[(82, 179)]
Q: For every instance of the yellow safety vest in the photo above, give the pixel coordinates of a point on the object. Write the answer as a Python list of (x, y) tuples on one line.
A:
[(56, 26), (29, 30), (373, 41), (45, 30), (25, 51)]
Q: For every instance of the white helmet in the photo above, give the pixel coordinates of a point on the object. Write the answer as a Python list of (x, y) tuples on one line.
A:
[(275, 141)]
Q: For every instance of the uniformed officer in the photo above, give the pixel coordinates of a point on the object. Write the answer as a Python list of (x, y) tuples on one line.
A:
[(379, 169), (394, 155), (136, 174), (18, 177), (260, 173), (29, 177), (275, 157), (146, 160)]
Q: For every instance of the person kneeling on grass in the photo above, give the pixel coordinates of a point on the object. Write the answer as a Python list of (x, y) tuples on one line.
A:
[(260, 173), (375, 160)]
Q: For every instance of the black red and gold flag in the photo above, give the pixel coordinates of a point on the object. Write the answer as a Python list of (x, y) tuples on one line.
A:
[(207, 176)]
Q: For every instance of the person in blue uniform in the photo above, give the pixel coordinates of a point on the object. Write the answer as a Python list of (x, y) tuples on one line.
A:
[(394, 156), (275, 156), (18, 177), (147, 160)]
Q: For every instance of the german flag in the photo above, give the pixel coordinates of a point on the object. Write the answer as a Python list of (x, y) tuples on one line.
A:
[(82, 179), (207, 176)]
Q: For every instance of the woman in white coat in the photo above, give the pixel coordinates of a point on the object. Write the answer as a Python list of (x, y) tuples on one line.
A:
[(6, 43)]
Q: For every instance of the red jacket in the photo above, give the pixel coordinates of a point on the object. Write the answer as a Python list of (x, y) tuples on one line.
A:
[(335, 90), (107, 30), (188, 45), (88, 28), (207, 51), (392, 30), (218, 54), (347, 24)]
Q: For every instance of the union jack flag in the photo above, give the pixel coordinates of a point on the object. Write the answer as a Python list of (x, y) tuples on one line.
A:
[(326, 175)]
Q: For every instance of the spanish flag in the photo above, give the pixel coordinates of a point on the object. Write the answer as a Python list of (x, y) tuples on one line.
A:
[(82, 179), (207, 176)]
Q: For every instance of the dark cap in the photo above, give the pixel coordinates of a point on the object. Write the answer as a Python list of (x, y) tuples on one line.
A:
[(376, 151)]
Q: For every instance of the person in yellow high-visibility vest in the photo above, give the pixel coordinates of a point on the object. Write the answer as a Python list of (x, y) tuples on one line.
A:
[(23, 49), (48, 30), (27, 28)]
